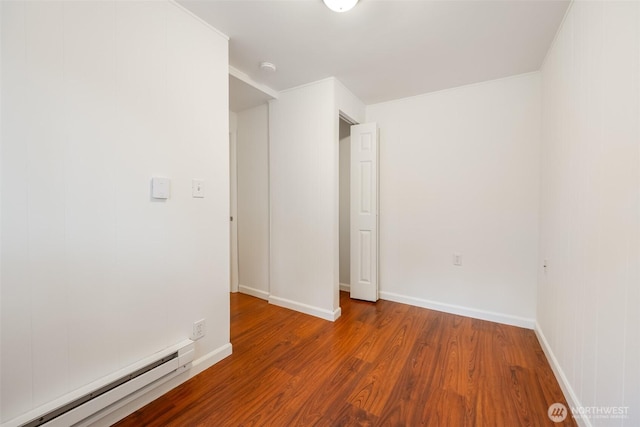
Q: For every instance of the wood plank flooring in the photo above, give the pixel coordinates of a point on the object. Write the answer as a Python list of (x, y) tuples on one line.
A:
[(383, 364)]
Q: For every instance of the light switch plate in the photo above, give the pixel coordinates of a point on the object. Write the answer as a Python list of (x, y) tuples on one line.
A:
[(457, 259), (160, 188), (197, 188)]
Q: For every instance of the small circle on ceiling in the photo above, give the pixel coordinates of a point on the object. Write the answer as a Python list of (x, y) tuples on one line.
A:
[(268, 66)]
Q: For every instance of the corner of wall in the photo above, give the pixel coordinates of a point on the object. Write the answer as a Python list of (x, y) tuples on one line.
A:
[(569, 393), (331, 315), (303, 254), (348, 104)]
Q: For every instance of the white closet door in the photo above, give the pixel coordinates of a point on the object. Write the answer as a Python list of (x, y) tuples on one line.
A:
[(364, 212)]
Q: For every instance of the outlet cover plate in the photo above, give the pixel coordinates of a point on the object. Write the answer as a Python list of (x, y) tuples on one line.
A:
[(199, 329)]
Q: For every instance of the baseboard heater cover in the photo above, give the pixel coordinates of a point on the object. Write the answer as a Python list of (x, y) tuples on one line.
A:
[(80, 405)]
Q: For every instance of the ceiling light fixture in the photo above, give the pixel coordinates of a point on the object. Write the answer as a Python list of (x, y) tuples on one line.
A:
[(340, 5), (268, 66)]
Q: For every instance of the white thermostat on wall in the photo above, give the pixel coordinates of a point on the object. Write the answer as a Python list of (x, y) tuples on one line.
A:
[(160, 188)]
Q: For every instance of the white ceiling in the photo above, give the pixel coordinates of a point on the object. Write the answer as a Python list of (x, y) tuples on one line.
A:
[(385, 49)]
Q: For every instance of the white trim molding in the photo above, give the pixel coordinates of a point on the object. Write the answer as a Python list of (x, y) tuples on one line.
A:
[(258, 293), (567, 390), (244, 77), (306, 309), (491, 316), (148, 394), (345, 287)]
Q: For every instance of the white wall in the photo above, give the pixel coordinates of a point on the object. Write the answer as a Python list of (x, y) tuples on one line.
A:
[(233, 122), (588, 300), (98, 97), (253, 200), (349, 106), (304, 190), (345, 203), (459, 174)]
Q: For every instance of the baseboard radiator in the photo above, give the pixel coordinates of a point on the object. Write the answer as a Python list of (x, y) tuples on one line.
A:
[(83, 403)]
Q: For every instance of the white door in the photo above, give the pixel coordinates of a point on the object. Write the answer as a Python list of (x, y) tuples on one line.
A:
[(364, 212)]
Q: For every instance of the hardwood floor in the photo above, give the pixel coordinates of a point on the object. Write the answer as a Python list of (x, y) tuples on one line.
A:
[(383, 364)]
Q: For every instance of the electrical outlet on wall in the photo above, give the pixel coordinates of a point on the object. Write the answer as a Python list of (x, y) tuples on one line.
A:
[(199, 329)]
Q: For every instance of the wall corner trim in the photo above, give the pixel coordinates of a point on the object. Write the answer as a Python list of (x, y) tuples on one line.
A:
[(199, 19), (306, 309), (475, 313), (567, 390), (310, 84), (244, 77), (258, 293)]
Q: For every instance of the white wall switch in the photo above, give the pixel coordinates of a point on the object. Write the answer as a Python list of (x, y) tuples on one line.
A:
[(197, 188), (457, 259), (160, 188)]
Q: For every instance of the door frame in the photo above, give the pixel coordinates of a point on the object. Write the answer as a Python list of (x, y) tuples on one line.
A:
[(233, 212), (339, 286), (351, 122)]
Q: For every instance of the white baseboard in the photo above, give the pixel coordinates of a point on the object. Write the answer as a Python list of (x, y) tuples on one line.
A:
[(306, 309), (345, 287), (491, 316), (258, 293), (567, 390), (148, 394)]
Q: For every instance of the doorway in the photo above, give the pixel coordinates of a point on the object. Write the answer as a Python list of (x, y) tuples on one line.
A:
[(344, 141), (233, 208), (249, 184), (358, 205)]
